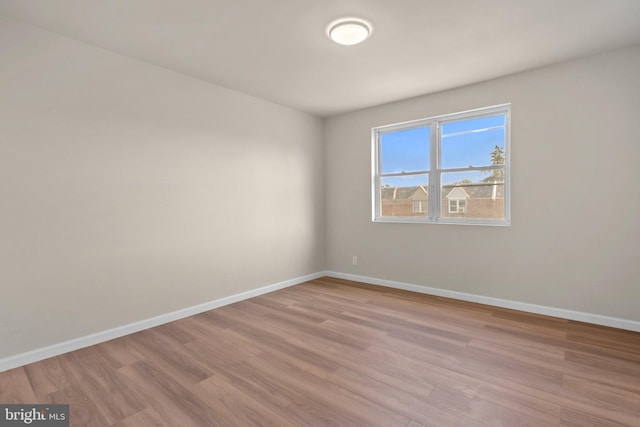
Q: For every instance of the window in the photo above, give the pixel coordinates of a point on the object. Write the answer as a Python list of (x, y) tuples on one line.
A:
[(451, 169), (419, 206), (457, 206)]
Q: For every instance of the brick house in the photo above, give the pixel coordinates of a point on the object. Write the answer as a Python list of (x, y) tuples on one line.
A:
[(476, 200)]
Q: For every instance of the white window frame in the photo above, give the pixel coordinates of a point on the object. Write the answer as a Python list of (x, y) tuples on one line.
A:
[(435, 172)]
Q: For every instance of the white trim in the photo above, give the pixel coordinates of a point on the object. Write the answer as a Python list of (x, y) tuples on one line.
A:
[(99, 337), (596, 319), (120, 331)]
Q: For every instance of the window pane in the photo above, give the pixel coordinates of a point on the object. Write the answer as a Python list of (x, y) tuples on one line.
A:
[(405, 150), (481, 148), (474, 194), (404, 196)]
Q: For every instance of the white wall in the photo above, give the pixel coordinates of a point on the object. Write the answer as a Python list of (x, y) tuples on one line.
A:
[(575, 239), (128, 191)]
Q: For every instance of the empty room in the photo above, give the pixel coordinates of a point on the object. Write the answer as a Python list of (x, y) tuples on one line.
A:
[(416, 213)]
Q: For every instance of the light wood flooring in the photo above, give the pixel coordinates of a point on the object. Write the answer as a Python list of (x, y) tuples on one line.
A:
[(337, 353)]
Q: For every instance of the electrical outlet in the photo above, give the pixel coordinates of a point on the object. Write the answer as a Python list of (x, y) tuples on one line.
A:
[(354, 260)]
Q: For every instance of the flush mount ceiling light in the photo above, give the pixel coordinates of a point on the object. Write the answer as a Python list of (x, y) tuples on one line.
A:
[(349, 31)]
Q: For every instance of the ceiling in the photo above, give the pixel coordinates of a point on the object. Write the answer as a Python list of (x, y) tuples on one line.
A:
[(278, 49)]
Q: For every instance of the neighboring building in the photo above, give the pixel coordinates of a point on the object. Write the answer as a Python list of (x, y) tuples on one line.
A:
[(477, 200), (404, 201)]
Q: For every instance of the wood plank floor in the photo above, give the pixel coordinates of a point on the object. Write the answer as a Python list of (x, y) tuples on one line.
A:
[(337, 353)]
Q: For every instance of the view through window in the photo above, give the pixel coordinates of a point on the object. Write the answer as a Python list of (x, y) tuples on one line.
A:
[(447, 169)]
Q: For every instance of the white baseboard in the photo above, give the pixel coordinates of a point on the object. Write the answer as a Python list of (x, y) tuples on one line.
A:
[(596, 319), (86, 341)]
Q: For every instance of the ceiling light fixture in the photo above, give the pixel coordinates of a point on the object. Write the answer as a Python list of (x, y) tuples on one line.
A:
[(349, 31)]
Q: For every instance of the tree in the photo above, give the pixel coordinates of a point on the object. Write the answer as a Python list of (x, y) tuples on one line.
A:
[(497, 158)]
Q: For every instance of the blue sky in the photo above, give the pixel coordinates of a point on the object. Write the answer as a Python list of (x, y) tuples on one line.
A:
[(464, 143)]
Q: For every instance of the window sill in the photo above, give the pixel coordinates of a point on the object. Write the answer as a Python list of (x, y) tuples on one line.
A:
[(446, 221)]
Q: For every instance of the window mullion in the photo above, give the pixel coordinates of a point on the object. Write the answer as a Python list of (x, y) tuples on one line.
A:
[(434, 174), (376, 155), (475, 168), (393, 174)]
